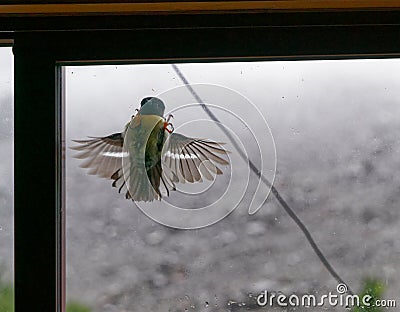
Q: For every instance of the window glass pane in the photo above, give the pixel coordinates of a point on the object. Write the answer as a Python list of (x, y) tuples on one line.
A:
[(325, 133), (6, 180)]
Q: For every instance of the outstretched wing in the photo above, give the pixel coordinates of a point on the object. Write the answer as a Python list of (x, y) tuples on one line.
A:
[(103, 156), (190, 160), (184, 159)]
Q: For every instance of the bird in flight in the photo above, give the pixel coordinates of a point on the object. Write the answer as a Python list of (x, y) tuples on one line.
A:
[(148, 156)]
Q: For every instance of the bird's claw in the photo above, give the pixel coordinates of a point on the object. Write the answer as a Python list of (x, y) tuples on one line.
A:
[(169, 127), (136, 111), (169, 117)]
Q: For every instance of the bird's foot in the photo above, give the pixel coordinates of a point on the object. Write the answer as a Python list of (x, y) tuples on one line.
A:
[(169, 127), (169, 117), (136, 111)]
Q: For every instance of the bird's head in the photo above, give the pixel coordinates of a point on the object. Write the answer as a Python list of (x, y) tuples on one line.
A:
[(152, 106)]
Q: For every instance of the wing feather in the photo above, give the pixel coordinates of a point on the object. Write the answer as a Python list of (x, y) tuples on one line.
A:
[(191, 159), (102, 155)]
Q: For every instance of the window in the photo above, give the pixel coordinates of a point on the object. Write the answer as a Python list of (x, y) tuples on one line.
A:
[(37, 91), (149, 256)]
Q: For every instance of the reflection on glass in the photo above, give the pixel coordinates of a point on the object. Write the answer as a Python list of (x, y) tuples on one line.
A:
[(324, 132), (6, 180)]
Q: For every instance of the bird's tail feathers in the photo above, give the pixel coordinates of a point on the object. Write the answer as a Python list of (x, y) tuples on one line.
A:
[(141, 185)]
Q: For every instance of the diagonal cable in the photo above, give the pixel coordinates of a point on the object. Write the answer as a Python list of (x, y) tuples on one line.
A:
[(274, 191)]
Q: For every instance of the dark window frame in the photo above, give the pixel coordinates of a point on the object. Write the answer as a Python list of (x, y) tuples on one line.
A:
[(39, 54)]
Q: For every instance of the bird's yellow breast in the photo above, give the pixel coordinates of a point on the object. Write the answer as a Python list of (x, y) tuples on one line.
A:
[(142, 138)]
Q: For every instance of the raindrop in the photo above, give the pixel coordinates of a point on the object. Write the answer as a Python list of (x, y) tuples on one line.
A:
[(230, 302)]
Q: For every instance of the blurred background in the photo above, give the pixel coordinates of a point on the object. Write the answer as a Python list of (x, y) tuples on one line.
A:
[(336, 129), (6, 178)]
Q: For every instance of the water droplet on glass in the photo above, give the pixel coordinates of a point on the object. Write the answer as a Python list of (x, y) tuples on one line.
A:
[(230, 302)]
